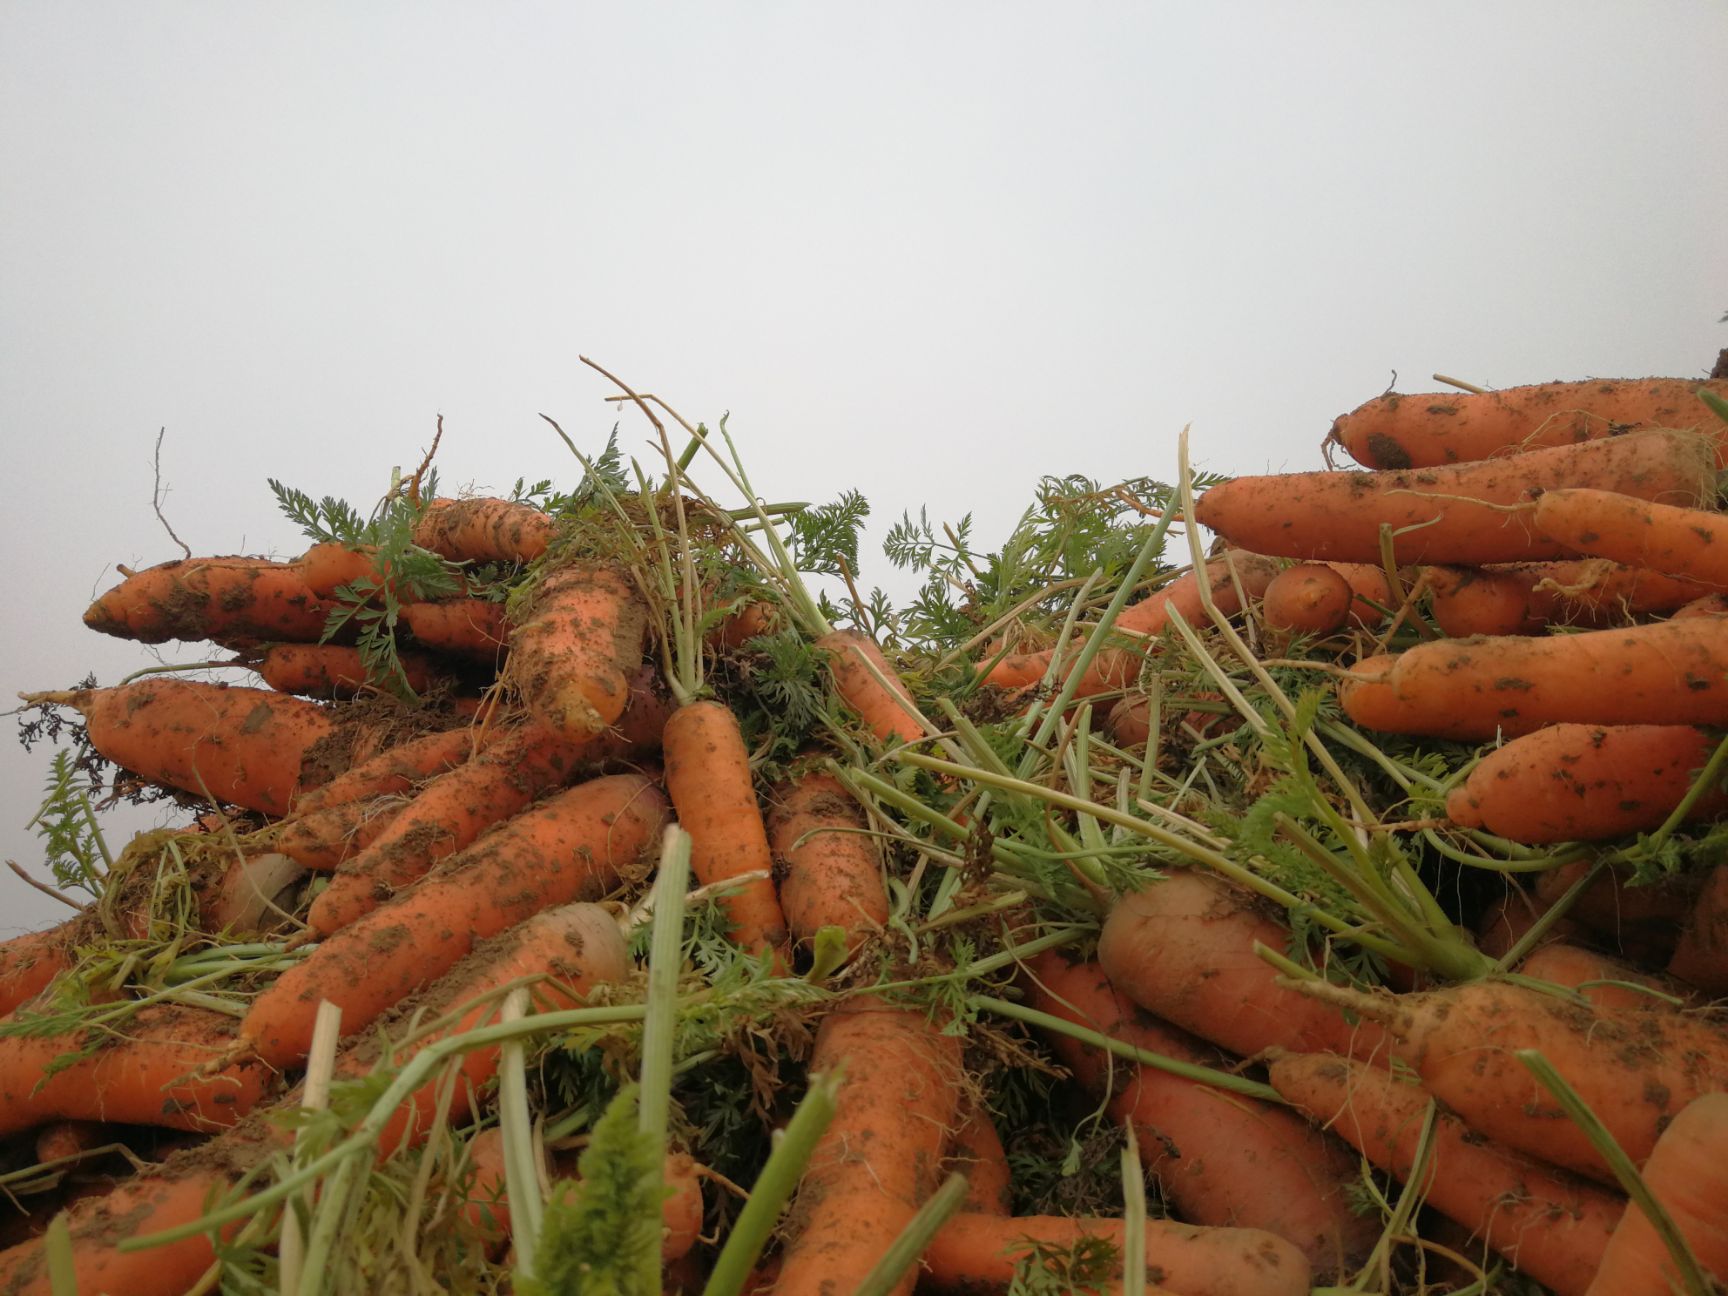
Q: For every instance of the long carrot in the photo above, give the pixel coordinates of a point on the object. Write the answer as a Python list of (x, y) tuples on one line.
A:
[(330, 670), (574, 651), (227, 599), (1221, 1158), (465, 627), (1552, 1226), (870, 686), (1458, 514), (1578, 782), (1667, 538), (1672, 672), (1423, 431), (1688, 1174), (571, 846), (1183, 948), (1608, 983), (485, 530), (1524, 598), (877, 1161), (975, 1254), (827, 864)]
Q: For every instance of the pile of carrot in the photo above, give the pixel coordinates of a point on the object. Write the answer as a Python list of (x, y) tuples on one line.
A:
[(1201, 947)]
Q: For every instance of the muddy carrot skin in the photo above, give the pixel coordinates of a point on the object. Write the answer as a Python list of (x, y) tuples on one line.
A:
[(485, 530), (575, 650), (226, 599)]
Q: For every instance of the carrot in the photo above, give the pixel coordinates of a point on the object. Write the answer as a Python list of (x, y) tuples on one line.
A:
[(975, 1253), (1706, 605), (336, 670), (1580, 782), (1635, 1070), (242, 746), (1701, 954), (1307, 599), (58, 1140), (827, 864), (485, 1210), (1423, 431), (1640, 920), (1523, 598), (877, 1161), (485, 530), (227, 599), (572, 846), (1370, 592), (1688, 1174), (1183, 948), (1221, 1158), (1550, 1225), (29, 962), (1457, 514), (1503, 923), (708, 778), (1228, 578), (574, 651), (975, 1150), (742, 621), (884, 704), (1676, 541), (464, 627), (141, 1075), (1608, 983), (1671, 672)]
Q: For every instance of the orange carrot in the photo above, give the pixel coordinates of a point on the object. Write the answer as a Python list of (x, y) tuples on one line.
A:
[(1706, 605), (1551, 1226), (708, 777), (1221, 1158), (877, 1161), (1701, 954), (975, 1150), (1370, 592), (1183, 948), (465, 627), (575, 650), (336, 670), (1307, 599), (485, 530), (141, 1075), (1671, 672), (1457, 514), (1689, 542), (827, 864), (67, 1138), (1229, 578), (29, 962), (1688, 1174), (1608, 983), (227, 599), (975, 1254), (1578, 782), (1422, 431), (1639, 919), (1523, 598), (1635, 1070), (242, 746), (572, 846), (1503, 923), (884, 704)]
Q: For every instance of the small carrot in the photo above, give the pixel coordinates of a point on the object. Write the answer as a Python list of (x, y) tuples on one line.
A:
[(1676, 541), (575, 649), (1550, 1225), (226, 599), (464, 627), (1688, 1174), (1701, 954), (1423, 431), (827, 864), (1580, 782), (1307, 599), (485, 530), (1670, 672), (67, 1138), (331, 670), (574, 845), (1459, 514), (1183, 948), (870, 687), (876, 1163)]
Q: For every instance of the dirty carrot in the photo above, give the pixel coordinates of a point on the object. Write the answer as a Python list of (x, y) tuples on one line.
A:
[(1307, 599), (1608, 983), (829, 871), (485, 530), (30, 961), (577, 646), (1425, 430), (1676, 541), (1459, 514), (230, 600), (1701, 955), (884, 705), (464, 627), (331, 670), (975, 1150)]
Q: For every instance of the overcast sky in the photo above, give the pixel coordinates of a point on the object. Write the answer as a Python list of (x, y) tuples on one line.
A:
[(932, 251)]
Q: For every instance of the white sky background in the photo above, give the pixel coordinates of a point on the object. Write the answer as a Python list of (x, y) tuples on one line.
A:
[(931, 251)]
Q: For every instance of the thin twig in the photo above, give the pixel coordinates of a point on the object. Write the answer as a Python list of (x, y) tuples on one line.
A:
[(156, 496), (1461, 385), (43, 887)]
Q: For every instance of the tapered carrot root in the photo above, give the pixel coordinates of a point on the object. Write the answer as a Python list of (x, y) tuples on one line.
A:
[(1183, 948), (485, 530), (870, 687), (241, 746), (1423, 431), (336, 670), (1232, 579), (829, 872), (226, 599), (1459, 514), (1688, 1174), (1701, 955), (877, 1161), (1221, 1158), (463, 627), (975, 1254), (1634, 1070), (576, 649), (1671, 672), (1575, 782), (1551, 1226), (1689, 542), (143, 1076), (571, 846)]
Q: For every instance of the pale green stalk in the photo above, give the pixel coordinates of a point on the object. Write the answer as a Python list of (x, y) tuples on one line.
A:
[(516, 1125), (1133, 1216), (57, 1248)]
